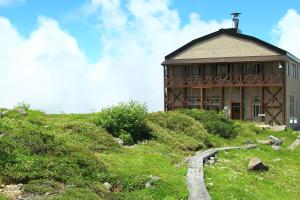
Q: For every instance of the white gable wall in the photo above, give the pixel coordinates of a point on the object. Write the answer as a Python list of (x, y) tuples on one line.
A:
[(225, 46)]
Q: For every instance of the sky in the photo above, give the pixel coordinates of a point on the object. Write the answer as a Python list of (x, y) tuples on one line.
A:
[(83, 55)]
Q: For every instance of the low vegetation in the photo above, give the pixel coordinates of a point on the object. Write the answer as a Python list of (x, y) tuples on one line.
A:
[(71, 156)]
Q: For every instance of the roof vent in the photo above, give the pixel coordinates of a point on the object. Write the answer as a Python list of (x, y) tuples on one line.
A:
[(235, 20)]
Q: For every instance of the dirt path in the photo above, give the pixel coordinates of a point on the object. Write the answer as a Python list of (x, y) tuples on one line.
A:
[(195, 175)]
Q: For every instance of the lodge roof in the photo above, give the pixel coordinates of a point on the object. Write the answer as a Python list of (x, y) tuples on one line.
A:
[(234, 33)]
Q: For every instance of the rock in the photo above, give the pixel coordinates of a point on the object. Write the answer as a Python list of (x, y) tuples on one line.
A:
[(275, 140), (276, 160), (107, 186), (2, 186), (22, 111), (295, 144), (117, 187), (256, 164), (119, 141), (70, 186), (154, 178), (147, 185), (249, 142), (13, 191), (211, 162), (278, 128), (276, 148), (264, 141), (210, 184)]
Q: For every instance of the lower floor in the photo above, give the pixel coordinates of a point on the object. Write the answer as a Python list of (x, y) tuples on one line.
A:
[(261, 104)]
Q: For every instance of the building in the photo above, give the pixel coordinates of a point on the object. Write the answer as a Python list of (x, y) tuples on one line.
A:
[(245, 77)]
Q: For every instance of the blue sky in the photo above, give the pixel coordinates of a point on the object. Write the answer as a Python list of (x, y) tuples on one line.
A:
[(258, 18), (83, 55)]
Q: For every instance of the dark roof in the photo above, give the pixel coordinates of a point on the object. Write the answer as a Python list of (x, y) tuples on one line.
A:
[(232, 32)]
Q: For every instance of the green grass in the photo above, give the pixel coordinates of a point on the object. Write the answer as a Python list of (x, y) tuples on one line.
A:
[(71, 157), (231, 180)]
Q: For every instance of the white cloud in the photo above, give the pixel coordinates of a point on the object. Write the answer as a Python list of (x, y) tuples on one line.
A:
[(287, 32), (49, 70), (4, 3)]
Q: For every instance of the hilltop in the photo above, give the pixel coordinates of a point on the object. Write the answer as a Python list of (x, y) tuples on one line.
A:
[(79, 156)]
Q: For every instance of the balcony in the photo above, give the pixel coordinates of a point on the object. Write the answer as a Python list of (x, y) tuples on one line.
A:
[(225, 80)]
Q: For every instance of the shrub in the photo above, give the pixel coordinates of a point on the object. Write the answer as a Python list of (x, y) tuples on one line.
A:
[(214, 123), (126, 137), (179, 129), (130, 117)]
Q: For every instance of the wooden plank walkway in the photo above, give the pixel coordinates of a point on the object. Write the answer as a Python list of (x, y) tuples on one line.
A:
[(195, 174)]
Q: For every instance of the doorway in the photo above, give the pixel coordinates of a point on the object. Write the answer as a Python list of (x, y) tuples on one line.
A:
[(236, 110)]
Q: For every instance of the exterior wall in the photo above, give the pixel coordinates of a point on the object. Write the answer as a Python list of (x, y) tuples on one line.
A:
[(183, 92), (292, 89), (225, 46)]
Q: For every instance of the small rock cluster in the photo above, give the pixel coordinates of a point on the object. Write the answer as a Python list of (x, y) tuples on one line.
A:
[(152, 181), (211, 160), (12, 191), (117, 186), (273, 141)]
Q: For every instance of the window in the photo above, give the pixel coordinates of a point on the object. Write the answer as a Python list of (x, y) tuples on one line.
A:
[(297, 72), (256, 106), (222, 69), (292, 106), (287, 69), (257, 68), (294, 71)]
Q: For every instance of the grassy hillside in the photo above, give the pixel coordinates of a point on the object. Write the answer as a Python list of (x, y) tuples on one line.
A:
[(71, 156)]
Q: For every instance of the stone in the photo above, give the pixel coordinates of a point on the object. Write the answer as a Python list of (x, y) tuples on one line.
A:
[(255, 164), (275, 141), (276, 148), (119, 141), (276, 160), (295, 144), (13, 191), (147, 185), (249, 142), (107, 186), (278, 128), (22, 111), (210, 184), (264, 141), (211, 162), (154, 178), (117, 187)]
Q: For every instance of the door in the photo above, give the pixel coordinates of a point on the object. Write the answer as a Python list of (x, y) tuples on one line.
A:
[(236, 110)]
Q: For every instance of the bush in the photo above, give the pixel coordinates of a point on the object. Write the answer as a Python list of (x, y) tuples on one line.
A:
[(126, 137), (29, 152), (214, 123), (130, 117), (179, 130)]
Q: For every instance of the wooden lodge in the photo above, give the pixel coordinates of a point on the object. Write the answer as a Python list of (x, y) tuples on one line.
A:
[(241, 75)]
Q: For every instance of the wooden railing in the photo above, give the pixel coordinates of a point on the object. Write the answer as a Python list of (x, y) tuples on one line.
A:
[(225, 80)]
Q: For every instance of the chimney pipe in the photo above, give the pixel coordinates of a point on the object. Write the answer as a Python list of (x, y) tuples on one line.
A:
[(235, 20)]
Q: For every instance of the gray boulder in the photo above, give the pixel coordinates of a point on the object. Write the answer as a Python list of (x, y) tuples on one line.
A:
[(255, 164), (295, 144), (276, 148), (119, 141), (147, 185), (22, 111), (107, 186), (275, 141)]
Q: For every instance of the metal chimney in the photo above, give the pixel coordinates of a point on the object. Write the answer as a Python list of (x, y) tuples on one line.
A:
[(235, 20)]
